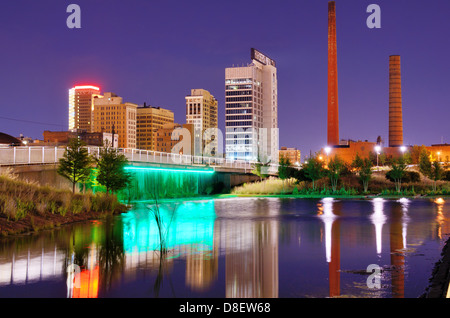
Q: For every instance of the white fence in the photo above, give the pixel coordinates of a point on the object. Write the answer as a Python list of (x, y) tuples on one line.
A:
[(49, 155)]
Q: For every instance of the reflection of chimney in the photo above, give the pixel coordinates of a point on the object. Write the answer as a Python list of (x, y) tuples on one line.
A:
[(397, 257), (333, 110), (395, 102)]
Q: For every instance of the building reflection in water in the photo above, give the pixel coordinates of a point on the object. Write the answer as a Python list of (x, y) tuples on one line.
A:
[(397, 236), (86, 282), (440, 217), (329, 212), (32, 265), (112, 254), (251, 248), (443, 226)]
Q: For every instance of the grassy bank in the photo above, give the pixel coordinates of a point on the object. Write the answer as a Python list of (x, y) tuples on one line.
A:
[(348, 187), (27, 207)]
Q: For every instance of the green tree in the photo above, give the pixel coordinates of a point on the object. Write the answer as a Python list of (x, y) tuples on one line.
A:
[(283, 169), (260, 168), (336, 167), (75, 164), (437, 173), (364, 171), (397, 172), (111, 169), (416, 151), (425, 165), (408, 158), (314, 170), (382, 159)]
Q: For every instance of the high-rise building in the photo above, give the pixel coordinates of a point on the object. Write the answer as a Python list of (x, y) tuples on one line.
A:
[(112, 115), (201, 111), (395, 103), (164, 141), (252, 110), (81, 107), (149, 120), (333, 109)]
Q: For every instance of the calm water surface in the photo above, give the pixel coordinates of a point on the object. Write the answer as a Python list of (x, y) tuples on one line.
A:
[(255, 247)]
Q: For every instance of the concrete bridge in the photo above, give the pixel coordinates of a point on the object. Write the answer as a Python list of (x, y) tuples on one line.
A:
[(40, 163)]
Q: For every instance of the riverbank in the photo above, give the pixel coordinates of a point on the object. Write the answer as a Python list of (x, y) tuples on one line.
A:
[(337, 196), (440, 277), (33, 223), (27, 207)]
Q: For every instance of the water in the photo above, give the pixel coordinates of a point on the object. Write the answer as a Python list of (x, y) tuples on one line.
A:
[(245, 247)]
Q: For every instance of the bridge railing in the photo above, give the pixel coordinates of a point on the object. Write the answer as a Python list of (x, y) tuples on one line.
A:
[(30, 155), (49, 155)]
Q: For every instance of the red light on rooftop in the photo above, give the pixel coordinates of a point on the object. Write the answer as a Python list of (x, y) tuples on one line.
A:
[(87, 87)]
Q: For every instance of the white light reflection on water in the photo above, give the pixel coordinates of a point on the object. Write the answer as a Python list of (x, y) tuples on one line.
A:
[(328, 217), (378, 219), (405, 204)]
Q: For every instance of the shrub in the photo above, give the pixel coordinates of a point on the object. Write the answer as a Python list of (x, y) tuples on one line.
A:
[(408, 177), (23, 208), (446, 175), (9, 207), (76, 206), (42, 207)]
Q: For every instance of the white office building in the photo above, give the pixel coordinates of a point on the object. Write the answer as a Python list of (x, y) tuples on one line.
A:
[(251, 106)]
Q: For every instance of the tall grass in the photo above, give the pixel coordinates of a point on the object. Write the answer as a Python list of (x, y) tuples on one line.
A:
[(267, 186), (348, 185), (19, 198)]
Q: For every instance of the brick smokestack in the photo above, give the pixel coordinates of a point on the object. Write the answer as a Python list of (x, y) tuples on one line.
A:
[(333, 109), (395, 102)]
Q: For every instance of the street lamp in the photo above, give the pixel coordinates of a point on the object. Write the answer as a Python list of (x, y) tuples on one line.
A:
[(327, 151), (378, 150)]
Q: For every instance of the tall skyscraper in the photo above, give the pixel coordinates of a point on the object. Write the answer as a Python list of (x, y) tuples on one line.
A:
[(111, 114), (81, 107), (201, 111), (149, 120), (395, 102), (252, 110), (333, 109)]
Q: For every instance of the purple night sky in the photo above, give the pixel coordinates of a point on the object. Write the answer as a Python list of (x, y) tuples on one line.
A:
[(156, 51)]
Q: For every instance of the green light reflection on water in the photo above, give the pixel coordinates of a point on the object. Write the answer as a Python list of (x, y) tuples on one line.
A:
[(192, 225)]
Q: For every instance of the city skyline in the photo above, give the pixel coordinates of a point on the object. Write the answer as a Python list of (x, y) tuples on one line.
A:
[(157, 52)]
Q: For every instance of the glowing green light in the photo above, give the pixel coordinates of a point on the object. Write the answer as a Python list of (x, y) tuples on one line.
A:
[(190, 224), (170, 170)]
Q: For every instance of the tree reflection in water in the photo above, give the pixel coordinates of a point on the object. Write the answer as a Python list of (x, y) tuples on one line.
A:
[(163, 223)]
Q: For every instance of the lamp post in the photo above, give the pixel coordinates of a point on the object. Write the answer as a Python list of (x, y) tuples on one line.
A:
[(377, 149), (403, 150), (327, 151)]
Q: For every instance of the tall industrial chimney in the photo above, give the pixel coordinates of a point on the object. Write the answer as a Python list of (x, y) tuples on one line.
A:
[(395, 103), (333, 110)]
